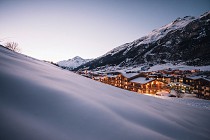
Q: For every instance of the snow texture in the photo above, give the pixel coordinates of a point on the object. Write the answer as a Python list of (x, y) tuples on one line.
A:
[(41, 101), (142, 80), (189, 101)]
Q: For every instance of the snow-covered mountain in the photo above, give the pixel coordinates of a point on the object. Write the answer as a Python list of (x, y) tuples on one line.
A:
[(39, 101), (73, 63), (185, 40)]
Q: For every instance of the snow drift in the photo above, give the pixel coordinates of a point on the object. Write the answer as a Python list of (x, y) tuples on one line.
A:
[(41, 101)]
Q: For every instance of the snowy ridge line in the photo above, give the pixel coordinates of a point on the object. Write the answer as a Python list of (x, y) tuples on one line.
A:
[(155, 35)]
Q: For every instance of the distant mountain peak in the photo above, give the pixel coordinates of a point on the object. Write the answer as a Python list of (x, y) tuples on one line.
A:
[(73, 63), (77, 57)]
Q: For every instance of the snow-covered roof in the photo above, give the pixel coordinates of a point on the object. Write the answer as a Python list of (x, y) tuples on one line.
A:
[(97, 78), (111, 76), (167, 75), (195, 77), (153, 75), (207, 79), (142, 80), (129, 75)]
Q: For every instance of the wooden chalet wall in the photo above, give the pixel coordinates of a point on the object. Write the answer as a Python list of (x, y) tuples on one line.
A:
[(200, 86)]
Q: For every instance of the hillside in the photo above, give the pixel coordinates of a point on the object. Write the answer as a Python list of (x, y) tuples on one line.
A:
[(185, 40), (41, 101)]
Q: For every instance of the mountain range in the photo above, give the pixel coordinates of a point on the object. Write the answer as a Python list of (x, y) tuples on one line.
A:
[(185, 40)]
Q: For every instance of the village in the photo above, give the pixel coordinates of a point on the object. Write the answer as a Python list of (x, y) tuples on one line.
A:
[(182, 82)]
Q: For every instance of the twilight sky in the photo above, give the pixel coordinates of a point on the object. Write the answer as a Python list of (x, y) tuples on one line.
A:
[(61, 29)]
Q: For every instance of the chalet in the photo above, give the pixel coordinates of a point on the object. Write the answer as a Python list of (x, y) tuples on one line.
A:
[(205, 87), (191, 80), (109, 79), (146, 85), (122, 80), (155, 75), (167, 71), (166, 78), (97, 78), (200, 85), (181, 87), (177, 79)]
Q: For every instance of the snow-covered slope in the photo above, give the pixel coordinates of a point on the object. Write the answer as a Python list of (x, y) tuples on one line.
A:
[(41, 101), (73, 63), (147, 68), (155, 35)]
